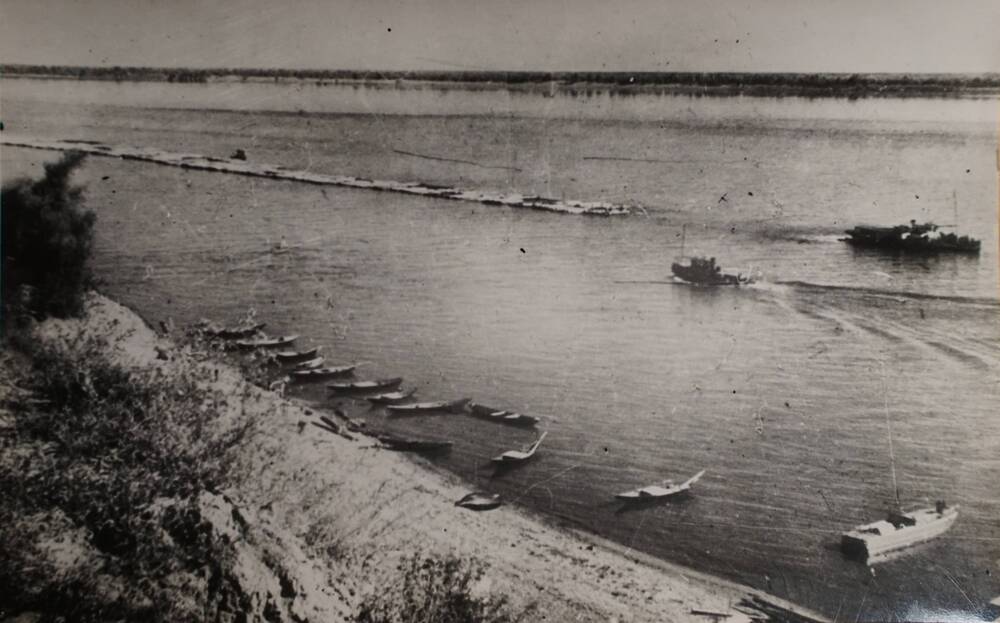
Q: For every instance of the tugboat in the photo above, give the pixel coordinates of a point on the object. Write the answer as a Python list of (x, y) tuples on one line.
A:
[(703, 271), (913, 238)]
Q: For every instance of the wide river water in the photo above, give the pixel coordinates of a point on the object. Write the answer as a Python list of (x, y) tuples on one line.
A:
[(786, 393)]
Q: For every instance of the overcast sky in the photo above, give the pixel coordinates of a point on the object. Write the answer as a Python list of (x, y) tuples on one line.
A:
[(636, 35)]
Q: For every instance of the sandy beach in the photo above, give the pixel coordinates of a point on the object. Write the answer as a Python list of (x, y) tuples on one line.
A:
[(332, 518)]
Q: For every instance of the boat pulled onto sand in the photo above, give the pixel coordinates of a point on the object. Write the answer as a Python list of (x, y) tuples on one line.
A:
[(912, 238), (875, 541)]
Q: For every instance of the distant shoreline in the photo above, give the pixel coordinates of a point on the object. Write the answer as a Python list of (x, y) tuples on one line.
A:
[(623, 83)]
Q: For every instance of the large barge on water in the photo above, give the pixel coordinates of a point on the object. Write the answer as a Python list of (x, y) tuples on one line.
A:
[(913, 238)]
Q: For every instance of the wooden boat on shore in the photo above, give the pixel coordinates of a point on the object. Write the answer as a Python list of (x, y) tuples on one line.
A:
[(480, 501), (235, 333), (266, 342), (365, 386), (310, 364), (295, 356), (450, 406), (873, 542), (658, 492), (318, 374), (519, 456), (391, 398), (392, 441), (501, 416)]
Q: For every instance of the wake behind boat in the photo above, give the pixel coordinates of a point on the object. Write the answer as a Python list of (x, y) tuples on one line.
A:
[(658, 492), (872, 542)]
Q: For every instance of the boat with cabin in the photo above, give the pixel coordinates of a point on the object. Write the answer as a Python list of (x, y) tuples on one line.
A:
[(915, 237), (872, 542)]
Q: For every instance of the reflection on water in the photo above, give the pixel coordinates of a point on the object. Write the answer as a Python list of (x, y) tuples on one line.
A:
[(780, 391)]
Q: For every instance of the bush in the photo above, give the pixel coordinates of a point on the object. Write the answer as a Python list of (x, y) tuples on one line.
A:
[(442, 591), (47, 237), (121, 456)]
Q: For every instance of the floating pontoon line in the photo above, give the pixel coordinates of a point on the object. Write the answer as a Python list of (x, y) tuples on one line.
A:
[(241, 167)]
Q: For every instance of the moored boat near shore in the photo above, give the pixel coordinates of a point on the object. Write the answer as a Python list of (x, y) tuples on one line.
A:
[(389, 398), (365, 386), (422, 445), (480, 501), (310, 364), (872, 542), (519, 456), (441, 406), (294, 356), (266, 342), (501, 416), (235, 333), (317, 374), (661, 491)]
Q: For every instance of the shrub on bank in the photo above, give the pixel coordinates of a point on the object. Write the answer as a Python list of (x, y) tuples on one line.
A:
[(120, 457), (440, 590), (47, 237)]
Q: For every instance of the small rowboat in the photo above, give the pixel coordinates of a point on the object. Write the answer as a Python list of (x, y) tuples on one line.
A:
[(294, 356), (453, 406), (310, 364), (317, 374), (391, 398), (414, 444), (518, 456), (235, 333), (267, 342), (365, 386), (480, 501), (663, 490), (502, 416)]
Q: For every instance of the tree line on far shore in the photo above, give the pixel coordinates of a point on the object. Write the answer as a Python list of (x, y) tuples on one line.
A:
[(831, 83)]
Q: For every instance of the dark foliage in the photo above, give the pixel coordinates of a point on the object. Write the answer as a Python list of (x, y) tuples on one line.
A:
[(431, 589), (47, 237)]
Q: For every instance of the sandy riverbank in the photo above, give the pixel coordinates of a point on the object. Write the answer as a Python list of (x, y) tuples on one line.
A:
[(341, 514)]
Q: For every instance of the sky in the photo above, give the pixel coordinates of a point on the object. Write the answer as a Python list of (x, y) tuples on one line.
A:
[(540, 35)]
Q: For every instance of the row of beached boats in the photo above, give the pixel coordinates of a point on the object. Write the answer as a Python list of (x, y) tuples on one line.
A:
[(872, 542)]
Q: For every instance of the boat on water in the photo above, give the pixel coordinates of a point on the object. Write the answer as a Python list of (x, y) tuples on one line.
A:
[(391, 441), (450, 406), (295, 356), (480, 501), (661, 491), (912, 238), (317, 374), (310, 364), (519, 456), (705, 272), (501, 416), (365, 386), (874, 541), (389, 398), (235, 333), (266, 342)]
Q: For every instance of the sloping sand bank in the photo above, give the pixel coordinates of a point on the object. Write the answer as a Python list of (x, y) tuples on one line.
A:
[(341, 514)]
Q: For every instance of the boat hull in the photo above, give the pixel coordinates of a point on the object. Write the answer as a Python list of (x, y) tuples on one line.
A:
[(875, 548)]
